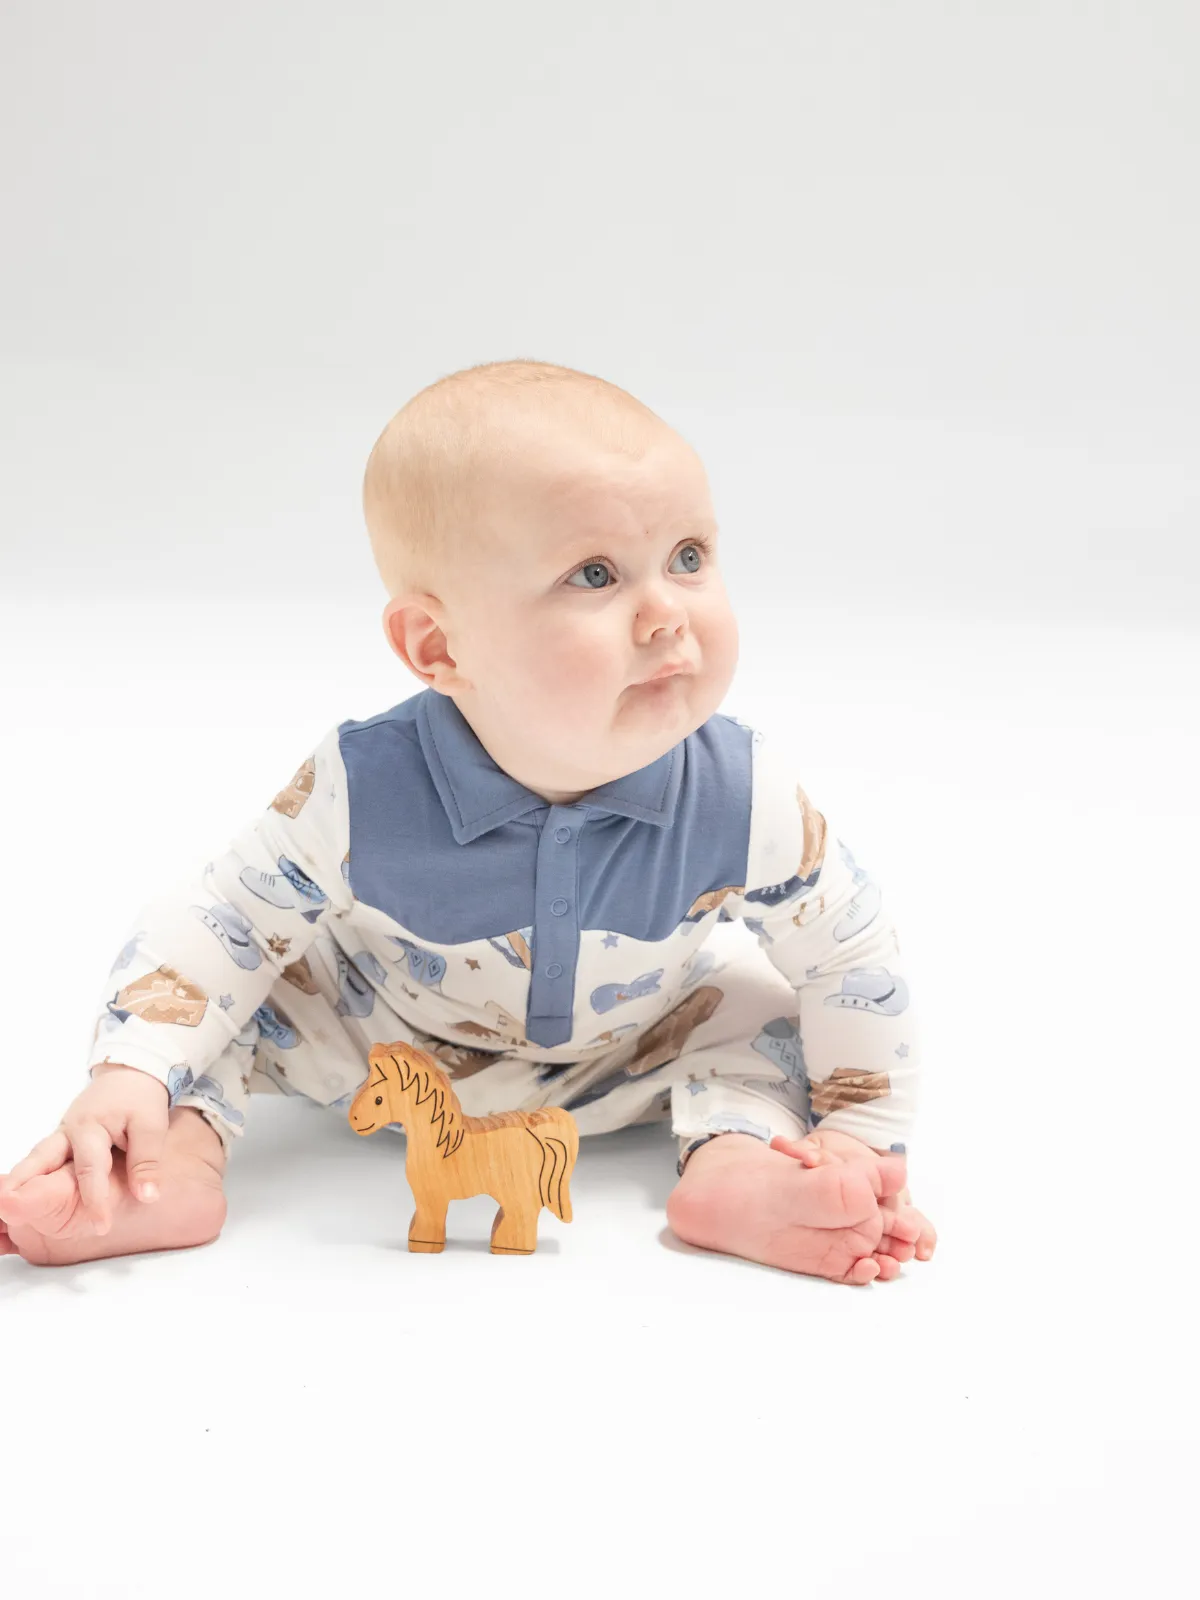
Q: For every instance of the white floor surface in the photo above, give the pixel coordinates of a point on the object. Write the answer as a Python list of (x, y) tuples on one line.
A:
[(305, 1408)]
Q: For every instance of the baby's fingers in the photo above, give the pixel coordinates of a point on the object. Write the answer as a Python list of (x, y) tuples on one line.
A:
[(143, 1154), (47, 1155), (807, 1151), (92, 1144)]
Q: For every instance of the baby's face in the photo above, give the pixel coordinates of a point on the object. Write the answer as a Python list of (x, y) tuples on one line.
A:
[(599, 574)]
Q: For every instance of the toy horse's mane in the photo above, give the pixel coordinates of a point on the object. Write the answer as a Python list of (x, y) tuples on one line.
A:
[(434, 1089)]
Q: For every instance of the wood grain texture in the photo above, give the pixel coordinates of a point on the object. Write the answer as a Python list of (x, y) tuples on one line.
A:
[(523, 1159)]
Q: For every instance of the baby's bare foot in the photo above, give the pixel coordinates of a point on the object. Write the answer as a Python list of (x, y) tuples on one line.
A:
[(43, 1218), (749, 1200)]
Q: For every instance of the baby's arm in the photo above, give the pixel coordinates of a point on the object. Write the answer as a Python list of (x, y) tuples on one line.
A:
[(822, 922), (200, 960), (174, 1038)]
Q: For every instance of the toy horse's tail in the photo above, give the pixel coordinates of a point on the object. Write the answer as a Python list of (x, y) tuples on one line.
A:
[(558, 1136)]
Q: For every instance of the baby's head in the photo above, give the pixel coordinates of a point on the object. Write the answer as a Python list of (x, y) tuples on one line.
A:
[(548, 543)]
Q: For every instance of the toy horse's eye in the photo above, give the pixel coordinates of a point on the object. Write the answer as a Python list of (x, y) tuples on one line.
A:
[(378, 1099)]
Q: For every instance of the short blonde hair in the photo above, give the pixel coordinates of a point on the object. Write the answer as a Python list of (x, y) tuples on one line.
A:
[(424, 488)]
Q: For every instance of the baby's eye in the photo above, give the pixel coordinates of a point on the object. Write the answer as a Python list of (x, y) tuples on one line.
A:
[(692, 552), (590, 571), (588, 574)]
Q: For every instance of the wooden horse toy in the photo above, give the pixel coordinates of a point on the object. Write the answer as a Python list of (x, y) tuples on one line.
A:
[(523, 1159)]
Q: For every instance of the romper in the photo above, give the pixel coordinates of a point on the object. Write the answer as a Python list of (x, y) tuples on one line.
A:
[(404, 888)]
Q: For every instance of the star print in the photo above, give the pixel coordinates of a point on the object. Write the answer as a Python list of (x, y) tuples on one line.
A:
[(278, 946), (208, 866), (902, 1051), (610, 940), (225, 1002), (811, 973), (770, 848), (472, 963), (697, 1088)]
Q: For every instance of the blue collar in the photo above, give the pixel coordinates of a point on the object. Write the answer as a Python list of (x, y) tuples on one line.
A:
[(479, 796)]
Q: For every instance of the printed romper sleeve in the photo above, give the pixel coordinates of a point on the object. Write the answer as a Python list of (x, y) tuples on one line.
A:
[(822, 922), (199, 960)]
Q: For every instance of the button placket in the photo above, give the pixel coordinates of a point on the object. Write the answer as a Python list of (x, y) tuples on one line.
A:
[(556, 929)]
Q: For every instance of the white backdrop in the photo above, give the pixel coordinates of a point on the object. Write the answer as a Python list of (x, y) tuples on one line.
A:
[(918, 280), (919, 283)]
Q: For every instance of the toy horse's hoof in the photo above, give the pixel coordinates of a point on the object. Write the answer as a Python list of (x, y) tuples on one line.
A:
[(511, 1231), (428, 1247)]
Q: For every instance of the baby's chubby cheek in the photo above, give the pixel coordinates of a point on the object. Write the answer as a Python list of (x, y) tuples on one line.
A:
[(582, 672), (717, 637)]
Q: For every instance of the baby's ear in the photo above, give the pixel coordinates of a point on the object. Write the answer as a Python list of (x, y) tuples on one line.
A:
[(405, 621), (412, 624)]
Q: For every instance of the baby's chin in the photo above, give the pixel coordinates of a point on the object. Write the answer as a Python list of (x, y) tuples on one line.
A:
[(629, 740), (658, 715), (682, 695), (626, 729)]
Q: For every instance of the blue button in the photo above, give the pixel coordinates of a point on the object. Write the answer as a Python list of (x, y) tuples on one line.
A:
[(554, 970), (562, 834), (558, 907)]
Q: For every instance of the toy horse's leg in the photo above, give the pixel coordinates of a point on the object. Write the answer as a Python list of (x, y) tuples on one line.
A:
[(515, 1233), (427, 1231)]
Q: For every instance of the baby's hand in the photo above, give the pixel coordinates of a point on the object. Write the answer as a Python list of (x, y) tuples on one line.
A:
[(822, 1146), (740, 1197), (122, 1107), (825, 1145)]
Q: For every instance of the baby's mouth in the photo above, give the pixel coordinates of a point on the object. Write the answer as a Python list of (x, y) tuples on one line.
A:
[(664, 674)]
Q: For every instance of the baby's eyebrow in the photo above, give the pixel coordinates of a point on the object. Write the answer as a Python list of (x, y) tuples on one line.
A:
[(586, 543)]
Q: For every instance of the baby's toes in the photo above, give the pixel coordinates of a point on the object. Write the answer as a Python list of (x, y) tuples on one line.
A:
[(913, 1229), (887, 1263), (897, 1250), (904, 1223), (866, 1269)]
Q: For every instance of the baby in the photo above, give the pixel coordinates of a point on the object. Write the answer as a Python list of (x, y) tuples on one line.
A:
[(517, 870)]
